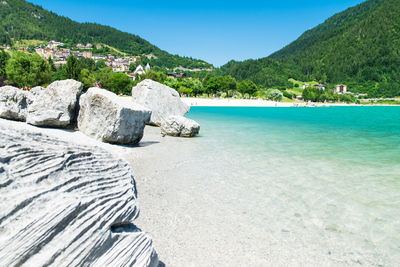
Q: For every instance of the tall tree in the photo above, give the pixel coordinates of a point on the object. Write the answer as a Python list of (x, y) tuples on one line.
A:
[(120, 83), (247, 87), (4, 57), (73, 68)]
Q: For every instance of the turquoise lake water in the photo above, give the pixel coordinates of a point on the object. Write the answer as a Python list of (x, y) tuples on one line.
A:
[(325, 182)]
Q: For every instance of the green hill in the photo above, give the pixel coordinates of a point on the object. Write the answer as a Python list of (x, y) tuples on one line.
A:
[(20, 20), (359, 46)]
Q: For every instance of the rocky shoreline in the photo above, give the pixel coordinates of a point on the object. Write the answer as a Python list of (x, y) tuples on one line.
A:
[(65, 200), (99, 113)]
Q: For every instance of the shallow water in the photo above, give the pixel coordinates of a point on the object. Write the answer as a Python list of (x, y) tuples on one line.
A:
[(320, 183)]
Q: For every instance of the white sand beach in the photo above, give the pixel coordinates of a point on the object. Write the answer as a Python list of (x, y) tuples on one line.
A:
[(229, 102)]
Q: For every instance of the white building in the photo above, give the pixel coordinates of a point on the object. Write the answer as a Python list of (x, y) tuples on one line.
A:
[(54, 44), (340, 89), (139, 70), (147, 68)]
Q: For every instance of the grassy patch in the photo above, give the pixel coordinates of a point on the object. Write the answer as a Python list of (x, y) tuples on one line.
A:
[(27, 43), (114, 49), (300, 83)]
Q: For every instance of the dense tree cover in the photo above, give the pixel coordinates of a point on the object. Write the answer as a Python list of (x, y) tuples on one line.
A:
[(264, 72), (28, 70), (20, 20), (220, 84), (359, 47), (192, 87), (210, 85), (247, 87)]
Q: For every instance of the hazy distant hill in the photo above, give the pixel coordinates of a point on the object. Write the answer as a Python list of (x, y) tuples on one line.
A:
[(21, 20), (360, 46)]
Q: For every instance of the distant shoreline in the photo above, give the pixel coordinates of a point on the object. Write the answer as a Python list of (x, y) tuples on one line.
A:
[(229, 102)]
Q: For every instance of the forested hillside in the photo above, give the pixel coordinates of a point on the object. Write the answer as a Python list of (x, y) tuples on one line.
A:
[(21, 20), (359, 47)]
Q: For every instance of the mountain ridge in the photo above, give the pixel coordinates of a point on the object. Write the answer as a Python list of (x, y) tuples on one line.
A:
[(359, 46)]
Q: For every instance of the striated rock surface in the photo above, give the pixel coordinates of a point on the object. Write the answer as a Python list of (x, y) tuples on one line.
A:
[(63, 204), (105, 117), (55, 106), (13, 103), (180, 126), (162, 100)]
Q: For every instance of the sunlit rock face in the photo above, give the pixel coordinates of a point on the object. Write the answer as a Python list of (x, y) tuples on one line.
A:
[(13, 103), (105, 117), (62, 204), (162, 100), (55, 106), (180, 126)]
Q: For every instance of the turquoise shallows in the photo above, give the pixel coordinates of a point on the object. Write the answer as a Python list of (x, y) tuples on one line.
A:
[(328, 176)]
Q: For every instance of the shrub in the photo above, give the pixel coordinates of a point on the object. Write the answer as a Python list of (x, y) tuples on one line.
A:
[(274, 95)]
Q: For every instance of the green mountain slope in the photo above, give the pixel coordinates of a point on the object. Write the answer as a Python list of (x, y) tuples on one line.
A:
[(360, 47), (21, 20)]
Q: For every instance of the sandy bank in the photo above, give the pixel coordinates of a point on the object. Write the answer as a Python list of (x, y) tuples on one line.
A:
[(228, 102)]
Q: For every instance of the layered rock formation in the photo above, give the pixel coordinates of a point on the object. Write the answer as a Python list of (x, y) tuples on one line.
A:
[(13, 103), (162, 100), (63, 204), (105, 117), (56, 106), (180, 126)]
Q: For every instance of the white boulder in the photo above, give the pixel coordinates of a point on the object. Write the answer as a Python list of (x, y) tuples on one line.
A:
[(55, 106), (162, 100), (180, 126), (106, 117), (66, 204), (33, 93), (13, 103)]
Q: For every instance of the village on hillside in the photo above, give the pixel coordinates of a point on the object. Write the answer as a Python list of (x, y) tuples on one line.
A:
[(59, 54)]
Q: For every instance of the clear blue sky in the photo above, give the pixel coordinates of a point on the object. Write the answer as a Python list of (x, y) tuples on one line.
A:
[(216, 31)]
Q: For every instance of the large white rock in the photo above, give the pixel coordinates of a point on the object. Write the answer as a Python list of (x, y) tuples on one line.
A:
[(180, 126), (162, 100), (13, 103), (104, 116), (55, 106), (33, 93), (64, 204)]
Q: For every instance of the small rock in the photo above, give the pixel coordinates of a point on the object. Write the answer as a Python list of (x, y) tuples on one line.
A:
[(180, 126)]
